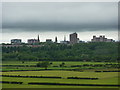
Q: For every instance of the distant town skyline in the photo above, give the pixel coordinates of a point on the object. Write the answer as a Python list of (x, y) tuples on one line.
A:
[(26, 20), (83, 36), (73, 38)]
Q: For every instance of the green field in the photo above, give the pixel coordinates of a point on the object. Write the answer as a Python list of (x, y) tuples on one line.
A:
[(104, 77), (54, 62), (107, 78), (27, 65)]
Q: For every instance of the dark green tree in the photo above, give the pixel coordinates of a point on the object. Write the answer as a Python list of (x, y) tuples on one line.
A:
[(44, 64)]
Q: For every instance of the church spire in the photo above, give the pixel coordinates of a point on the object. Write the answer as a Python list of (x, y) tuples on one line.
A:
[(38, 38), (55, 39)]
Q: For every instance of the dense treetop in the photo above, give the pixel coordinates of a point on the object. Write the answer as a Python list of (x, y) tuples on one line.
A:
[(101, 51)]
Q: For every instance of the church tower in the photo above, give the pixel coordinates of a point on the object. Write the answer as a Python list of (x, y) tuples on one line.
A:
[(38, 39), (55, 39)]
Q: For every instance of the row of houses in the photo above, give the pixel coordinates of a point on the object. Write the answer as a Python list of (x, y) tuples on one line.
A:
[(19, 45)]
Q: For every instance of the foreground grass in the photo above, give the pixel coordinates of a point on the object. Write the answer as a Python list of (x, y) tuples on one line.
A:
[(112, 80), (36, 86), (104, 78), (48, 86)]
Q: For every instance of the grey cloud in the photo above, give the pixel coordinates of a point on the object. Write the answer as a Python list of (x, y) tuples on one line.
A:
[(59, 16)]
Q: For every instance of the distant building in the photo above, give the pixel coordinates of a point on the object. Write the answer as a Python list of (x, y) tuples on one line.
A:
[(38, 39), (33, 41), (34, 45), (49, 40), (64, 42), (16, 41), (13, 45), (81, 41), (64, 38), (110, 40), (73, 38), (101, 39), (21, 45), (56, 40)]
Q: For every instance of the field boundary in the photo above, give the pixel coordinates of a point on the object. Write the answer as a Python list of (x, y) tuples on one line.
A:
[(61, 84), (65, 84), (88, 78)]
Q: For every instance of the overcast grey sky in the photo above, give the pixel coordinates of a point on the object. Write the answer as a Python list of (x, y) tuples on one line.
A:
[(50, 19)]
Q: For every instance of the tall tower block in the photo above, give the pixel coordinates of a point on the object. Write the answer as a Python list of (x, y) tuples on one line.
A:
[(73, 38)]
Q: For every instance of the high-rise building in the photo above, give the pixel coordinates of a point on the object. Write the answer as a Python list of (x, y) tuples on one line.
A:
[(73, 38), (16, 41)]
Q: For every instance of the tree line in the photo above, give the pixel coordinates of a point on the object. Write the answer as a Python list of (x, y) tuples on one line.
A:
[(93, 51)]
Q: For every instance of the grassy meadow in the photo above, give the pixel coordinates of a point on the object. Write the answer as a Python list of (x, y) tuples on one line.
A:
[(106, 78)]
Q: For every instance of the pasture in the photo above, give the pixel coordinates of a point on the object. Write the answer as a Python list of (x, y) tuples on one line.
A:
[(104, 78), (54, 62)]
